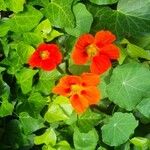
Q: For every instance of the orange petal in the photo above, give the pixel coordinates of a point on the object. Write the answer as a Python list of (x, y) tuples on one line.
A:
[(83, 41), (61, 90), (111, 50), (78, 104), (79, 57), (70, 80), (89, 79), (100, 64), (92, 94), (103, 38)]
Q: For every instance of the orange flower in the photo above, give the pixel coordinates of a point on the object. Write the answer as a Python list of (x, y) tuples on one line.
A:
[(99, 50), (82, 90)]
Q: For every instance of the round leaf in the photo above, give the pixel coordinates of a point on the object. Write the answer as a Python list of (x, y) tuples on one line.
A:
[(119, 128), (129, 84)]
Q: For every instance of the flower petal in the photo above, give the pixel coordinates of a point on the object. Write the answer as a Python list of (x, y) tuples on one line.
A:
[(92, 94), (78, 103), (100, 64), (61, 90), (34, 60), (103, 38), (83, 41), (90, 79), (111, 50), (79, 57), (48, 64)]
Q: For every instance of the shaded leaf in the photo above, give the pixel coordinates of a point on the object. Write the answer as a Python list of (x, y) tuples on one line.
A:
[(24, 78)]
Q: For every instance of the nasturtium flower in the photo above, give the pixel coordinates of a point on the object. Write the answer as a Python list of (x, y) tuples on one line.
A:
[(100, 50), (81, 90), (46, 57)]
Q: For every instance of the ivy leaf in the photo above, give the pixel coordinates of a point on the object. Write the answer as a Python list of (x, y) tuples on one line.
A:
[(130, 19), (24, 78), (59, 110), (4, 28), (84, 20), (29, 124), (25, 21), (24, 51), (88, 120), (86, 141), (103, 2), (143, 107), (47, 81), (44, 28), (128, 85), (137, 52), (6, 109), (32, 38), (14, 5), (48, 138), (59, 13), (119, 128)]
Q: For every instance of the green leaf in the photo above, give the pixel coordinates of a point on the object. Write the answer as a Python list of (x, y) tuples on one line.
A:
[(4, 28), (84, 20), (29, 124), (103, 2), (32, 38), (86, 141), (48, 138), (14, 5), (25, 21), (24, 51), (130, 19), (53, 34), (78, 69), (39, 2), (6, 109), (140, 142), (59, 110), (63, 145), (88, 120), (12, 62), (37, 101), (128, 85), (119, 128), (143, 107), (137, 52), (2, 5), (59, 13), (24, 79), (47, 81), (44, 28)]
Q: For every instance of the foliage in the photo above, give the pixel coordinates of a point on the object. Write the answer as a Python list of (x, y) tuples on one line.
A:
[(33, 117)]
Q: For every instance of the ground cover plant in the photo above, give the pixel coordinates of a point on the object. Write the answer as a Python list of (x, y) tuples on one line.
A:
[(74, 75)]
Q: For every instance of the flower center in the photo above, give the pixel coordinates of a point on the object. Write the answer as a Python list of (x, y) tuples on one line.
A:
[(92, 50), (44, 55), (75, 89)]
